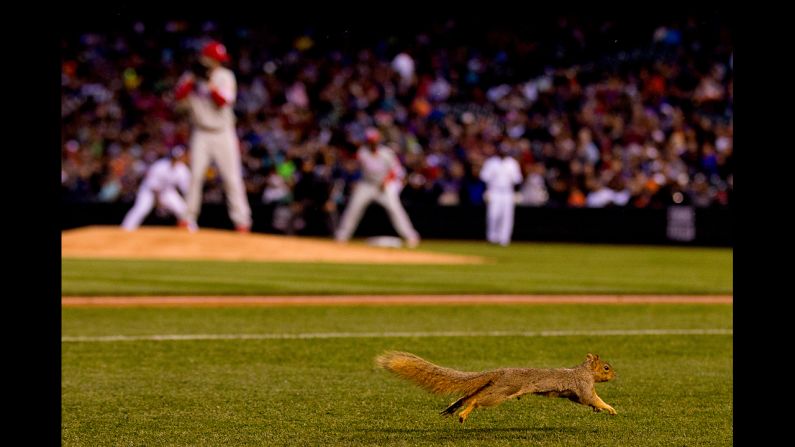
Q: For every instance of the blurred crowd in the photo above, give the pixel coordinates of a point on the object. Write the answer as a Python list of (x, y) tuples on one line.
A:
[(596, 116)]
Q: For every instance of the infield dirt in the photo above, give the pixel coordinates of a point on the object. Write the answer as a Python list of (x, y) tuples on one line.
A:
[(220, 245)]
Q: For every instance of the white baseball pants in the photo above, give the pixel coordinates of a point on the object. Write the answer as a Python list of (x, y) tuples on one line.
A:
[(499, 218), (363, 194), (145, 201), (221, 147)]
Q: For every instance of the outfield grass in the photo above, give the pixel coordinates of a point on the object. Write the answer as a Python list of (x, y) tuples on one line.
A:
[(671, 389), (522, 268)]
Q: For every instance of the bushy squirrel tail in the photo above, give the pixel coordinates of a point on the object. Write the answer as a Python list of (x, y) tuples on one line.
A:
[(433, 378)]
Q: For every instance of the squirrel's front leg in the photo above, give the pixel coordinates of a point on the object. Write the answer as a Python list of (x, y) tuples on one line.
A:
[(599, 405), (610, 410)]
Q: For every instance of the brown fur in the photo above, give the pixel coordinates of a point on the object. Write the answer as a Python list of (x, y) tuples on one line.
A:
[(493, 387)]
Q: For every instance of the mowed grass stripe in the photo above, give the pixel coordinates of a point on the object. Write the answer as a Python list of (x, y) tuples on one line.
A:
[(301, 336), (147, 321), (383, 300), (522, 268)]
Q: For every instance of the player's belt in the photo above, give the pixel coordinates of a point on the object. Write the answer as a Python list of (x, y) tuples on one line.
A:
[(210, 129)]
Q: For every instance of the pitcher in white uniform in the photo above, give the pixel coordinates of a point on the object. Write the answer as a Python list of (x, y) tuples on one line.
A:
[(160, 185), (381, 182), (501, 173), (213, 136)]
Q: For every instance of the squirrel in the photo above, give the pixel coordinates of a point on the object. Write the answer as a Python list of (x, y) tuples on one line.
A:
[(493, 387)]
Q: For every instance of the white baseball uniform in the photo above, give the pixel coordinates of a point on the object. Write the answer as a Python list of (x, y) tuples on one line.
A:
[(214, 138), (500, 175), (380, 182), (161, 182)]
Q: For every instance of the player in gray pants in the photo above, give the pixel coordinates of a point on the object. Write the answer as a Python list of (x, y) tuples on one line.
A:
[(380, 182)]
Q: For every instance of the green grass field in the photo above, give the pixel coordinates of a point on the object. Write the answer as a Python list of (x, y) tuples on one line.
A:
[(670, 389), (309, 378), (520, 268)]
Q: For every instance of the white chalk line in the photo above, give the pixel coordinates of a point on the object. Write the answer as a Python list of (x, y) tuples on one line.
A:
[(329, 335)]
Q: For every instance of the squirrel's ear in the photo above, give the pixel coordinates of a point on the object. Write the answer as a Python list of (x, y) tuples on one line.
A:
[(590, 357)]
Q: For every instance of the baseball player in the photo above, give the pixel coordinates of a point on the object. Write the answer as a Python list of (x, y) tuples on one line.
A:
[(213, 138), (501, 173), (381, 182), (160, 185)]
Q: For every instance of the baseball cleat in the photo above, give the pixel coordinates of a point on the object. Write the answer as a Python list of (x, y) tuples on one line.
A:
[(189, 225)]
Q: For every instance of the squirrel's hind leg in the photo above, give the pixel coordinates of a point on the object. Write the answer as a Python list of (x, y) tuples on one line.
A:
[(464, 400), (464, 414), (453, 407)]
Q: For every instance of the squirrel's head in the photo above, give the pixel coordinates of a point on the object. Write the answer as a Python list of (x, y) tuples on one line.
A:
[(602, 371)]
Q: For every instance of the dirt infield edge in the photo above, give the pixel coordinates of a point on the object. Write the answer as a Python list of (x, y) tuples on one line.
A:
[(381, 300)]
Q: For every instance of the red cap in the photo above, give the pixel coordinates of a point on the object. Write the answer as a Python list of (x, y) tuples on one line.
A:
[(215, 50), (372, 135)]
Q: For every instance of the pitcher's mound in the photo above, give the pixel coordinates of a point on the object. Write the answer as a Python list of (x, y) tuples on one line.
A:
[(209, 244)]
